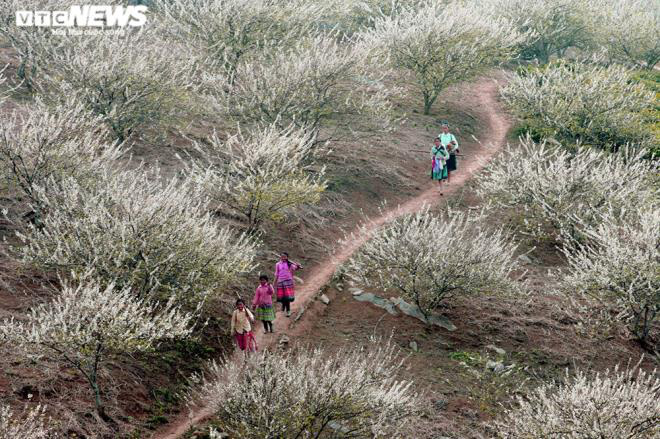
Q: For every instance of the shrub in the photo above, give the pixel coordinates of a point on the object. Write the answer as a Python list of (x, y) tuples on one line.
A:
[(428, 259), (439, 45), (563, 192), (609, 406), (85, 325), (617, 276), (352, 393), (320, 85), (39, 143), (134, 230), (261, 177), (580, 103), (29, 424)]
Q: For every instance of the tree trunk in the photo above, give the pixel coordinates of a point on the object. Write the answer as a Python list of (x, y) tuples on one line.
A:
[(428, 102)]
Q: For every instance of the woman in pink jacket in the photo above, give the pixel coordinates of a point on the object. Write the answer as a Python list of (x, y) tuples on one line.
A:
[(262, 304), (284, 280)]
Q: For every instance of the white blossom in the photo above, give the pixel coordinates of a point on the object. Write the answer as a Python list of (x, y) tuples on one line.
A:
[(352, 393), (551, 186), (31, 423), (575, 102), (440, 44), (630, 31), (617, 275), (320, 84), (614, 405), (263, 176), (85, 325), (39, 142), (131, 228), (429, 259)]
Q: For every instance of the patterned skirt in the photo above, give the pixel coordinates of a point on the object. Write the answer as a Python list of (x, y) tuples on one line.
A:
[(265, 312), (285, 291)]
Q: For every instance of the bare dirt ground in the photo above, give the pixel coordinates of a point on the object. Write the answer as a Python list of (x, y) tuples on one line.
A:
[(496, 126)]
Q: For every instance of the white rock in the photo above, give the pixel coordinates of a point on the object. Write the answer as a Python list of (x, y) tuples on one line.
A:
[(494, 348), (325, 299), (284, 339), (357, 292), (413, 346), (495, 366)]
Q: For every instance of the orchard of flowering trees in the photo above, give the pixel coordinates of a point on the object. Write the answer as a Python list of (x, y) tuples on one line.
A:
[(134, 256)]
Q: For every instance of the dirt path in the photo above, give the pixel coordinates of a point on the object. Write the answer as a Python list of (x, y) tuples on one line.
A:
[(497, 126)]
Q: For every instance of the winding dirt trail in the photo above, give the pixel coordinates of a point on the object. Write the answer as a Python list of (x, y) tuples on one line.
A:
[(496, 125)]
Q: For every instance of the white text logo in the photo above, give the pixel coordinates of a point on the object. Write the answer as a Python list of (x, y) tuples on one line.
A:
[(87, 15)]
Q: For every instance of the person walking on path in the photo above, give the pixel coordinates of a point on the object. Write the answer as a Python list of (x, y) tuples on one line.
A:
[(448, 140), (439, 157), (263, 303), (240, 325), (284, 281)]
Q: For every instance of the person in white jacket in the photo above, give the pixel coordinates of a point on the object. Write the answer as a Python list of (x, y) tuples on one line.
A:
[(240, 325)]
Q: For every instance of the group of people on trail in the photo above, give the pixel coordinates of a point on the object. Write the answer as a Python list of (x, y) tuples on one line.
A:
[(262, 303), (443, 156)]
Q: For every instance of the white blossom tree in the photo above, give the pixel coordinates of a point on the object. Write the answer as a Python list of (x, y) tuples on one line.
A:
[(575, 102), (439, 45), (226, 33), (354, 393), (87, 324), (133, 81), (429, 259), (320, 84), (263, 176), (565, 190), (39, 143), (31, 423), (132, 229), (617, 275), (553, 25), (630, 31), (613, 405)]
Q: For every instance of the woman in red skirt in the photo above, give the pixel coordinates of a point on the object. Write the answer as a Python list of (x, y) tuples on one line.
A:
[(240, 325), (284, 281)]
